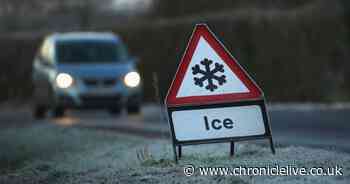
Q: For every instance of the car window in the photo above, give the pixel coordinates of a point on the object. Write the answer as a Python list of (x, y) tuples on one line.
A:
[(90, 51)]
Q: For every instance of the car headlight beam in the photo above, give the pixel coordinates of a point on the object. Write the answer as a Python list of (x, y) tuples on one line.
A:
[(132, 79), (64, 80)]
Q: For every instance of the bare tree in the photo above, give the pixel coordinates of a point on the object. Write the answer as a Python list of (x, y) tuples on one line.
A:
[(12, 11), (18, 14)]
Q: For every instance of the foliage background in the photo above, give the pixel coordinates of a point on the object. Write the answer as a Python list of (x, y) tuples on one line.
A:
[(295, 50)]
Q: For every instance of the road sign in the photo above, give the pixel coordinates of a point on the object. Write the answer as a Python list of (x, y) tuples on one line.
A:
[(209, 74), (212, 98)]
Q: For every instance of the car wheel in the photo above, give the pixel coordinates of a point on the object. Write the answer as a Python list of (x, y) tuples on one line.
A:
[(39, 112), (135, 109), (58, 112), (115, 110)]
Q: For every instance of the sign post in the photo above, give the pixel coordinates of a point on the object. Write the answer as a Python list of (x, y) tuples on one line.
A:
[(212, 98)]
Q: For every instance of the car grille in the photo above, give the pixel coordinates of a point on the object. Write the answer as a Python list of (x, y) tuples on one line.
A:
[(100, 100), (107, 82)]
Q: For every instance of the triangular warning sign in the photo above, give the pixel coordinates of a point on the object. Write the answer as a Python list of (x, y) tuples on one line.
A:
[(208, 74)]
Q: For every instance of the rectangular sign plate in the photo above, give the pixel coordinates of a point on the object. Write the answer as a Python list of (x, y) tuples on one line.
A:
[(219, 122)]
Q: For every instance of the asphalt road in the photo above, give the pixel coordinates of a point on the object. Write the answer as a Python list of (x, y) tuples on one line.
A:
[(327, 128)]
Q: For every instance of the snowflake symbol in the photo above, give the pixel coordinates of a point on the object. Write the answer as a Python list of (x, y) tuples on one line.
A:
[(208, 74)]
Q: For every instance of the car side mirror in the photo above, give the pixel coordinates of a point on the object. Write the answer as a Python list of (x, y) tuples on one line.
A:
[(136, 60), (45, 62)]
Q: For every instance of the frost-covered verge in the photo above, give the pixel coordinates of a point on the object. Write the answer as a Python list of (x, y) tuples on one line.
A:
[(51, 154), (47, 153), (159, 168)]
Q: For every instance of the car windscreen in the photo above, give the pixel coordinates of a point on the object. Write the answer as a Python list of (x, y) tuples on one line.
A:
[(90, 51)]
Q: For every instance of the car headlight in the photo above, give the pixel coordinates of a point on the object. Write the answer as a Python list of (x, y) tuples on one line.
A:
[(132, 79), (64, 80)]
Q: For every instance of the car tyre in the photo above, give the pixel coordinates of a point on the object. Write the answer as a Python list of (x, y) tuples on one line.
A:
[(58, 112), (39, 112), (115, 110), (135, 109)]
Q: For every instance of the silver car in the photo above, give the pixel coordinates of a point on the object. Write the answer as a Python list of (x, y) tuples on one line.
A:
[(85, 70)]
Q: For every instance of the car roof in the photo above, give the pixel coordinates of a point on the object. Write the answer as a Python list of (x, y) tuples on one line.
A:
[(76, 36)]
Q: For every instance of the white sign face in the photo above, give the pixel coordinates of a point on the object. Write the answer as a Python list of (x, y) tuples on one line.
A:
[(208, 67), (221, 122)]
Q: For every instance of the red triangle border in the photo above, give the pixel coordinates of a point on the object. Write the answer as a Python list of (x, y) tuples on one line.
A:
[(202, 30)]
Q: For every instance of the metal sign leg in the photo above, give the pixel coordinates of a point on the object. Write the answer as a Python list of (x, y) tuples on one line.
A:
[(232, 148), (272, 146), (180, 151), (175, 154)]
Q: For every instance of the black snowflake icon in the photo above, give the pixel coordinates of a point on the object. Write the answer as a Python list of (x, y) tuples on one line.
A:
[(208, 75)]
